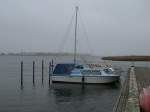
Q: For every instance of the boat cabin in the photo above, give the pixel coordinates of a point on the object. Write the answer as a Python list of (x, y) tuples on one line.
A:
[(78, 70)]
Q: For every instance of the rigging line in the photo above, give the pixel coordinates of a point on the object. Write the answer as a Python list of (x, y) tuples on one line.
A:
[(86, 34), (66, 35)]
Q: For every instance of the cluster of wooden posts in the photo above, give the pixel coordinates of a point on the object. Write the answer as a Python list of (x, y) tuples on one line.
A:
[(51, 68)]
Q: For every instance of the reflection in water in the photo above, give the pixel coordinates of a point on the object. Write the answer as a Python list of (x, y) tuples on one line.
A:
[(73, 97), (63, 92)]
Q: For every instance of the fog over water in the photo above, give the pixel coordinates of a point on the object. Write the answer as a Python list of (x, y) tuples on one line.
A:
[(113, 27)]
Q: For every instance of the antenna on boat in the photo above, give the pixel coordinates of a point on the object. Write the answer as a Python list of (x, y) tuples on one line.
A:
[(75, 44)]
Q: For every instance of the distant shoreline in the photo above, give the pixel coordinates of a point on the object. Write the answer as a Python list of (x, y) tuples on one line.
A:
[(41, 54), (128, 58)]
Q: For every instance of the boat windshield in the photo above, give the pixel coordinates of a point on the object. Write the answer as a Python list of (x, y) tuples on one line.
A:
[(62, 69), (108, 71)]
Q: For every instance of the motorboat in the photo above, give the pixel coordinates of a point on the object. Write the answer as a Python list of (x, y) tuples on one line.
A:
[(69, 73)]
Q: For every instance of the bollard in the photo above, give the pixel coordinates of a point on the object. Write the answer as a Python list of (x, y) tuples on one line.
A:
[(42, 71), (33, 73), (21, 74)]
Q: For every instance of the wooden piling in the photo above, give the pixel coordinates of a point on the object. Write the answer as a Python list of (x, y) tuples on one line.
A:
[(21, 74), (50, 68), (33, 72), (83, 79), (42, 71), (50, 73)]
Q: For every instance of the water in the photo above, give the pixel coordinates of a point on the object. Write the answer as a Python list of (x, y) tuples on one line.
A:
[(41, 98)]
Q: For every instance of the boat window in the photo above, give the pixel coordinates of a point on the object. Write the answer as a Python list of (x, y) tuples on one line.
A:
[(79, 67), (91, 72), (108, 71)]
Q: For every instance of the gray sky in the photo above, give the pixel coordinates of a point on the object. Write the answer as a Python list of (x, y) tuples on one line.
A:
[(114, 27)]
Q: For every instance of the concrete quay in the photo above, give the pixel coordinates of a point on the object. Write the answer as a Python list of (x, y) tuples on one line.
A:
[(128, 99)]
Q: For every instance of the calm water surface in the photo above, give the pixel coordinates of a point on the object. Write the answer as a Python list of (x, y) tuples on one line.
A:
[(41, 98)]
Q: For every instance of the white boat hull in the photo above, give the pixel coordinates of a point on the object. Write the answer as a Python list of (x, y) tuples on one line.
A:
[(87, 79)]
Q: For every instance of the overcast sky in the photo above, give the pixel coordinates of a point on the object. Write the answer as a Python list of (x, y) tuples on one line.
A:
[(114, 27)]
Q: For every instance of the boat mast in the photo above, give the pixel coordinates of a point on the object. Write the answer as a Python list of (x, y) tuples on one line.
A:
[(75, 44)]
